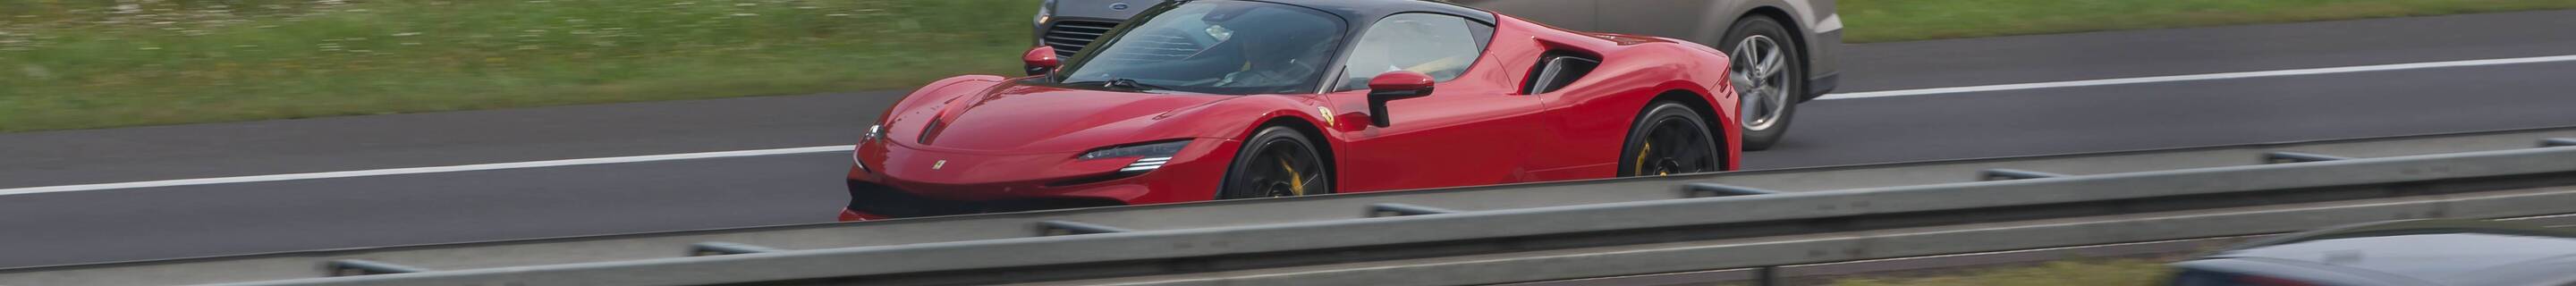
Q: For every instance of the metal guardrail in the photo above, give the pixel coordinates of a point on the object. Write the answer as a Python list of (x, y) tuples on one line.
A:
[(1493, 221)]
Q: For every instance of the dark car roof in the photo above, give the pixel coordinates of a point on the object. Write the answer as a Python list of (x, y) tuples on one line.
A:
[(1370, 10), (2442, 252)]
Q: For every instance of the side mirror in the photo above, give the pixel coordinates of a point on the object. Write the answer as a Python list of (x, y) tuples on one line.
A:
[(1041, 60), (1391, 86)]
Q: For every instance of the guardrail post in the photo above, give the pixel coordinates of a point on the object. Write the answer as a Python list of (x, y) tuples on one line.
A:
[(1394, 209), (1766, 276), (2011, 174), (1058, 227), (1703, 190), (2557, 142), (713, 248), (2296, 157), (355, 267)]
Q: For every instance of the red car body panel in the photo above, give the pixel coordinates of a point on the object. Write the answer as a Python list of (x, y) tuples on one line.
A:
[(989, 138)]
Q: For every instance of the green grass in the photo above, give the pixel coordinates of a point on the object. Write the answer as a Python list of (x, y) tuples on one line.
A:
[(70, 64), (2078, 272), (1901, 20), (84, 64)]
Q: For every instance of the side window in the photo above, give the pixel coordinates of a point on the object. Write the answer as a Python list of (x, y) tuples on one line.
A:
[(1438, 45)]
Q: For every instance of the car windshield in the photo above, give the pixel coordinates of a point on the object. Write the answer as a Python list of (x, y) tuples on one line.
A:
[(1216, 47)]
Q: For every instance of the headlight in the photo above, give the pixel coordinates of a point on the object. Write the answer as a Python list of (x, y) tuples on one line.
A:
[(1045, 9), (1149, 156), (1147, 150), (874, 132)]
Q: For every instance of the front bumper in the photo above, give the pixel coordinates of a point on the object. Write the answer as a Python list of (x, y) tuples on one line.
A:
[(894, 181), (869, 199)]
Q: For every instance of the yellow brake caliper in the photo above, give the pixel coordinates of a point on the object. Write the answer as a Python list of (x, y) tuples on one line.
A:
[(1641, 157), (1296, 182)]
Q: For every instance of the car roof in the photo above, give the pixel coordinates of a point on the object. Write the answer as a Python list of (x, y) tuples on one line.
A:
[(2441, 251), (1364, 11)]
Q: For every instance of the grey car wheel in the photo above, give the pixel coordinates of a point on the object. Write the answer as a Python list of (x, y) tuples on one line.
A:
[(1764, 69)]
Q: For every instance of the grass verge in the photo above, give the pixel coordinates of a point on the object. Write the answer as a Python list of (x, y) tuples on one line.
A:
[(67, 64), (1903, 20), (71, 64)]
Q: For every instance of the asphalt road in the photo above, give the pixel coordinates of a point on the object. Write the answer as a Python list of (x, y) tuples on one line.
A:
[(167, 222)]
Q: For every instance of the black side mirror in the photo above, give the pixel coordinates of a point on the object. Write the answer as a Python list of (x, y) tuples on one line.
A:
[(1391, 86)]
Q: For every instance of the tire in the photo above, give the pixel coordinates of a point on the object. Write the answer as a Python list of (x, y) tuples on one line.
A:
[(1670, 138), (1768, 84), (1273, 153)]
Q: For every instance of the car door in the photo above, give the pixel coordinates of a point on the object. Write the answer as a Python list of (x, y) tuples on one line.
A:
[(1471, 130)]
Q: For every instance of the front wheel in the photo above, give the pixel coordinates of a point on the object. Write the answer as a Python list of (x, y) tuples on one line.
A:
[(1276, 162), (1670, 139), (1768, 79)]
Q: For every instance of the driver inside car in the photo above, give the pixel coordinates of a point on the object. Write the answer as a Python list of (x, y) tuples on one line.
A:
[(1274, 53)]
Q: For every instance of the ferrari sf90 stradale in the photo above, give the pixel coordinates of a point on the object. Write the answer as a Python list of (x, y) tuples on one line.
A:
[(1791, 47), (1226, 99)]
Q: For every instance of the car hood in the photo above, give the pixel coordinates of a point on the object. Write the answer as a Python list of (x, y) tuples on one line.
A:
[(1014, 118)]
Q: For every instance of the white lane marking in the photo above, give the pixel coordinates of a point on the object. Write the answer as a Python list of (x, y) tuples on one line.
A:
[(423, 170), (839, 148), (2214, 76)]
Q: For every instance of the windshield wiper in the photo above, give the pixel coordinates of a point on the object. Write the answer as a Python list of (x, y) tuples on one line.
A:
[(1121, 83)]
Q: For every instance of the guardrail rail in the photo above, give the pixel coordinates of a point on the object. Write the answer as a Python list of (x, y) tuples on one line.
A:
[(1515, 233)]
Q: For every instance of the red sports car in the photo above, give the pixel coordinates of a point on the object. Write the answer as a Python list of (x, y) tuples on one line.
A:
[(1228, 99)]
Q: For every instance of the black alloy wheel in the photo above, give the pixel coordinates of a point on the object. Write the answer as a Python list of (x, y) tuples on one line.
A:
[(1276, 162), (1670, 139), (1764, 65)]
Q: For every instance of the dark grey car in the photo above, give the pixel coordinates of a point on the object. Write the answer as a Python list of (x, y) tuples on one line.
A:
[(1803, 34), (2412, 252)]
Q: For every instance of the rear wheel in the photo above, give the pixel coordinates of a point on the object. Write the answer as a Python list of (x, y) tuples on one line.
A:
[(1670, 139), (1768, 80), (1276, 162)]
